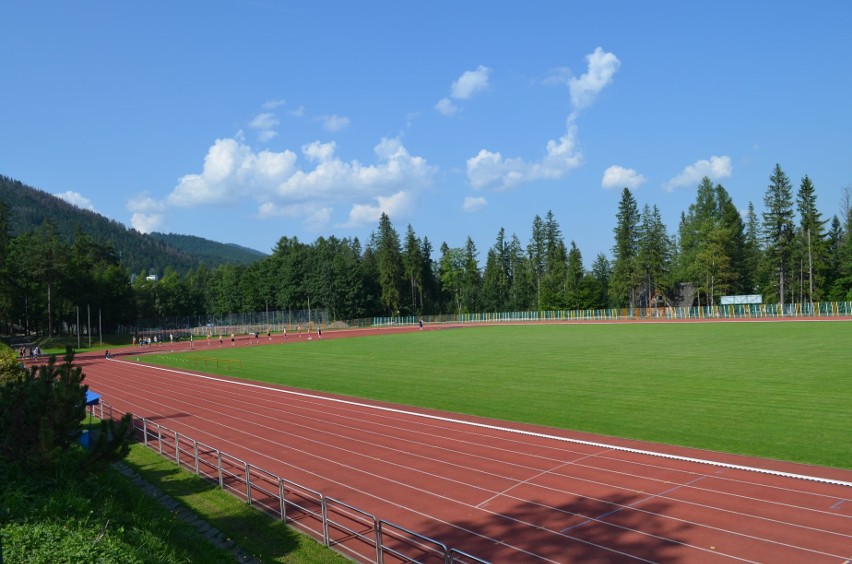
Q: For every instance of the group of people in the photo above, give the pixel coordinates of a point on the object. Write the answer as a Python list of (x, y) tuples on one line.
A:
[(29, 352)]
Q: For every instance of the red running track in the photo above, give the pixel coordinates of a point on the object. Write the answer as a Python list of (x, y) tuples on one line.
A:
[(501, 491)]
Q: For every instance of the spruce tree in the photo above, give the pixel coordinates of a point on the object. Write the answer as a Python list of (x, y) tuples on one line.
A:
[(625, 279), (778, 229)]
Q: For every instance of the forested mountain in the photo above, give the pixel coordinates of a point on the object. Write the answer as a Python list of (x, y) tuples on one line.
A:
[(210, 252), (29, 208)]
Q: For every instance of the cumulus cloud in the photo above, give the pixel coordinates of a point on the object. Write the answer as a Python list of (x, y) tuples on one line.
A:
[(265, 124), (395, 205), (77, 199), (334, 122), (490, 170), (619, 177), (146, 223), (715, 169), (147, 213), (231, 170), (395, 167), (446, 107), (601, 68), (474, 204), (464, 88), (470, 82), (305, 186), (493, 171)]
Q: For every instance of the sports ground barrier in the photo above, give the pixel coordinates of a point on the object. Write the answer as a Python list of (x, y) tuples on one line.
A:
[(738, 311), (352, 532), (278, 321)]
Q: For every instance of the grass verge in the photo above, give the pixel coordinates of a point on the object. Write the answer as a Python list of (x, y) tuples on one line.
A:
[(60, 515), (255, 532)]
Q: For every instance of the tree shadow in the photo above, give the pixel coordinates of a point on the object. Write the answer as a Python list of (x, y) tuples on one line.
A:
[(582, 530)]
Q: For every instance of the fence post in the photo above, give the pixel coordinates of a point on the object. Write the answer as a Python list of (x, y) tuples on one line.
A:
[(177, 449), (282, 502), (248, 483), (380, 544), (160, 437), (145, 432), (324, 504), (195, 446), (219, 469)]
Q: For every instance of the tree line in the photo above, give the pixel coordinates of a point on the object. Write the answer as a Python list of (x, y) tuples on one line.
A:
[(787, 254)]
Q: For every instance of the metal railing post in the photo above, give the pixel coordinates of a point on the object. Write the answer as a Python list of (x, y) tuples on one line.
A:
[(324, 505), (177, 449), (248, 483), (219, 469), (145, 432), (195, 447), (281, 502)]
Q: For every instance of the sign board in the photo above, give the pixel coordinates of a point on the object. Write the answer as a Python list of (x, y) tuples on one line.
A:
[(737, 300)]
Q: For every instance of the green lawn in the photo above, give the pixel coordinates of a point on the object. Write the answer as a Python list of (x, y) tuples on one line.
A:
[(778, 390)]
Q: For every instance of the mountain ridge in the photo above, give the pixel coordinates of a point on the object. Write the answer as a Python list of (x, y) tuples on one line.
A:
[(30, 207)]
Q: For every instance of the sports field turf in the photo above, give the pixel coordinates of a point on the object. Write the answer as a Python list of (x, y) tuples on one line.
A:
[(778, 390)]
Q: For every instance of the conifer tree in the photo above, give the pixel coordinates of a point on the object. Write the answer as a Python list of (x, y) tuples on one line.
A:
[(778, 229), (625, 278)]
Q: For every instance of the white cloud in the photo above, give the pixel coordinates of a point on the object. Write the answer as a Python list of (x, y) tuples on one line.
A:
[(265, 120), (234, 172), (601, 68), (334, 177), (492, 171), (265, 124), (470, 82), (334, 122), (146, 223), (313, 216), (272, 104), (446, 107), (77, 199), (619, 177), (474, 204), (147, 213), (317, 151), (715, 169), (395, 205), (144, 203)]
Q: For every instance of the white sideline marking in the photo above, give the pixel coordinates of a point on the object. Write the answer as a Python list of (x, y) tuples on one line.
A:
[(509, 429)]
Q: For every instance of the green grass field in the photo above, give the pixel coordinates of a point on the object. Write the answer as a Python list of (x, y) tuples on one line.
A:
[(778, 390)]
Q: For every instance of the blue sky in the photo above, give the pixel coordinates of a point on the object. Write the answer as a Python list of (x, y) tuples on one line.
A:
[(243, 122)]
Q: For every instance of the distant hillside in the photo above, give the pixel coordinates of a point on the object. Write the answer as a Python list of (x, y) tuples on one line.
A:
[(210, 252), (29, 208)]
